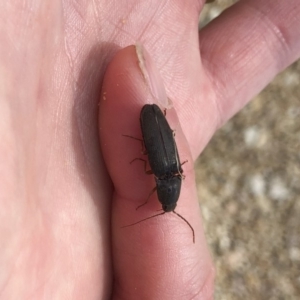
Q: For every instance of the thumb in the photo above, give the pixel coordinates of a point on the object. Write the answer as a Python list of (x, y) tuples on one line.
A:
[(155, 259)]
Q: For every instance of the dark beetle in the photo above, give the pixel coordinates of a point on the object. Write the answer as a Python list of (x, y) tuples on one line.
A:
[(162, 155), (160, 145)]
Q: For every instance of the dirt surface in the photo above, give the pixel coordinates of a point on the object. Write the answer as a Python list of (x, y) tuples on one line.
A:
[(248, 181)]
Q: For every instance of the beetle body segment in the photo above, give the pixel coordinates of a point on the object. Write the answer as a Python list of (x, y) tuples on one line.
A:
[(159, 142)]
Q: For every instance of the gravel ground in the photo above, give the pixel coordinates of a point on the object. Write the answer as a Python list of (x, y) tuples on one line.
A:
[(248, 181)]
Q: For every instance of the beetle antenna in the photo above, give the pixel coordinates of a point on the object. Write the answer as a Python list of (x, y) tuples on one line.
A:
[(186, 223), (144, 219), (180, 216)]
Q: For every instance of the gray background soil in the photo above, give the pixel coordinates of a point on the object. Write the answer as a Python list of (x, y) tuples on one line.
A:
[(248, 182)]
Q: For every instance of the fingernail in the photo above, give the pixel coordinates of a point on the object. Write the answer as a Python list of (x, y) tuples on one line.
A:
[(152, 77)]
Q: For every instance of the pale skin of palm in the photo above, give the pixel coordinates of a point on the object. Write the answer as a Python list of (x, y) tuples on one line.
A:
[(66, 184)]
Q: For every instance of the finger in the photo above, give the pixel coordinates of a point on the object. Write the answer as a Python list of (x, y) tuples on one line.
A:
[(155, 259), (246, 46)]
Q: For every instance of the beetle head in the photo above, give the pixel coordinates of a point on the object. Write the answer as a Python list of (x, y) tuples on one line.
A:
[(168, 191), (169, 207)]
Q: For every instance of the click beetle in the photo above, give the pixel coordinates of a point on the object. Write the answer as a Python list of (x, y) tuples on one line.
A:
[(159, 143)]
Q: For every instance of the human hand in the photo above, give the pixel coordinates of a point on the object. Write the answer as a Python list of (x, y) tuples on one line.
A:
[(56, 195)]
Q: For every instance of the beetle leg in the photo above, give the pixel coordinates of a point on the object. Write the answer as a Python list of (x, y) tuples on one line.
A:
[(184, 162), (149, 172), (182, 176), (132, 137), (179, 173), (152, 191), (144, 151)]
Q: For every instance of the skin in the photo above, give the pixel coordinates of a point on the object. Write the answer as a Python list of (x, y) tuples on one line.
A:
[(64, 194)]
